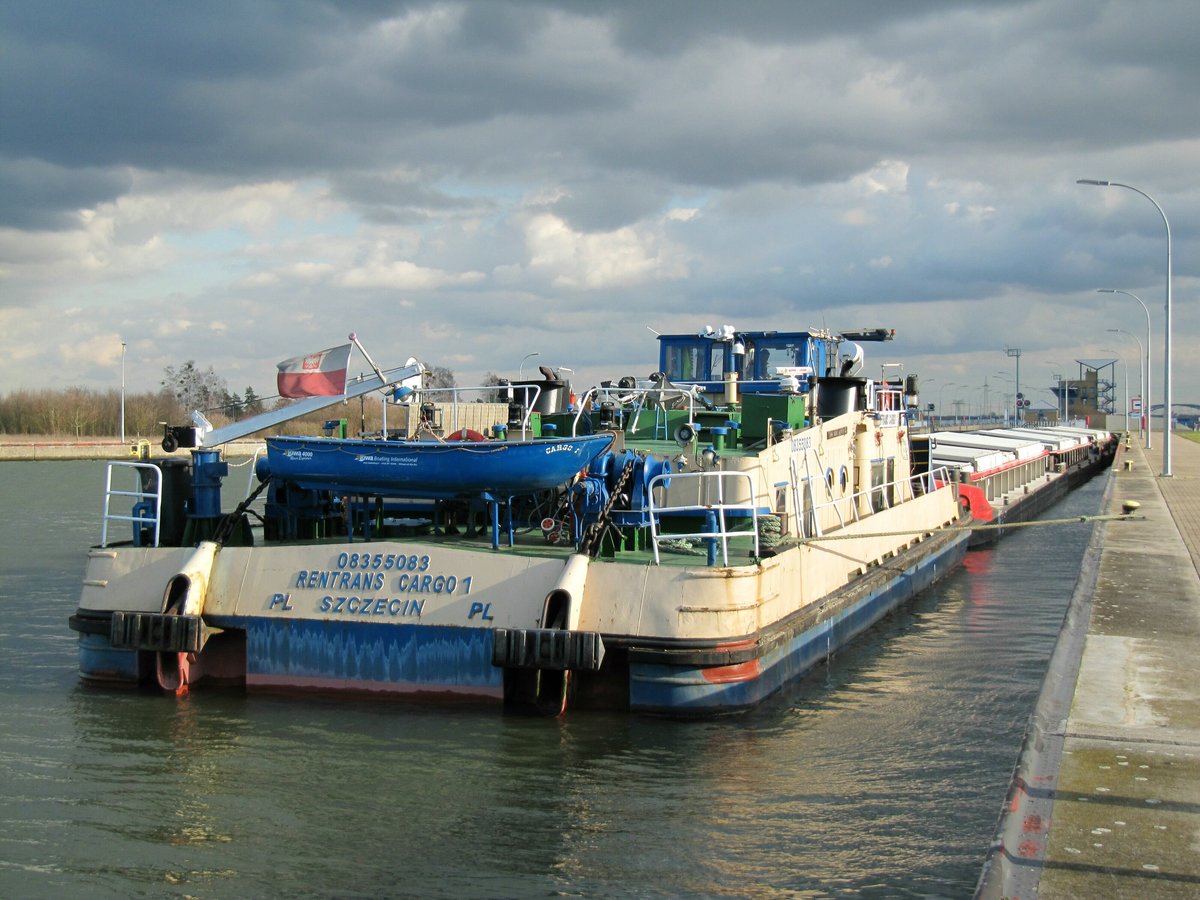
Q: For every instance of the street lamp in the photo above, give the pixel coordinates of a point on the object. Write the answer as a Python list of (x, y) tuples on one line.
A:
[(1125, 367), (122, 392), (1141, 373), (941, 414), (1167, 414), (1146, 405), (1060, 381), (521, 368)]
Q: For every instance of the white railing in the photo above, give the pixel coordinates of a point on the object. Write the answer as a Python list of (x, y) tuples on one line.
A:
[(630, 402), (455, 401), (707, 484), (141, 495), (927, 481)]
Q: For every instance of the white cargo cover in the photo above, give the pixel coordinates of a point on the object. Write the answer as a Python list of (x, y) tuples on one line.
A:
[(1023, 448)]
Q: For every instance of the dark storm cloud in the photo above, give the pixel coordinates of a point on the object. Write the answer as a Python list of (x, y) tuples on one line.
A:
[(42, 196), (535, 166), (284, 90), (266, 90)]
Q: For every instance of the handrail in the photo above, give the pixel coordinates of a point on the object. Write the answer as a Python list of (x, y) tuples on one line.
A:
[(109, 493), (454, 392), (720, 507), (928, 481), (639, 398), (583, 405)]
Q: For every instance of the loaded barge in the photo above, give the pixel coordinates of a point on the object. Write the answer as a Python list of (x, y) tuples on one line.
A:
[(1011, 475)]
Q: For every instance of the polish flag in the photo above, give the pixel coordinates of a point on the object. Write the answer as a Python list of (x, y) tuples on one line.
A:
[(320, 374)]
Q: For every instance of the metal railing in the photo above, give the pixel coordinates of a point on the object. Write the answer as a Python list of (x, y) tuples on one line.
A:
[(928, 482), (707, 484), (141, 498)]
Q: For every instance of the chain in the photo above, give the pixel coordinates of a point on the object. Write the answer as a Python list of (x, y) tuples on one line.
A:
[(590, 545)]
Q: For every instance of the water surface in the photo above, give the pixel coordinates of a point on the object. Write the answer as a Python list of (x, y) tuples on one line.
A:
[(880, 775)]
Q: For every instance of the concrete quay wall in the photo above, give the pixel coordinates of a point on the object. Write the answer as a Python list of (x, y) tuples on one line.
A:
[(104, 449), (1105, 801)]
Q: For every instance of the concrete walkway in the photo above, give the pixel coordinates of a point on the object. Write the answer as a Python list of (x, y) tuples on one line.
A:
[(1106, 800), (106, 449)]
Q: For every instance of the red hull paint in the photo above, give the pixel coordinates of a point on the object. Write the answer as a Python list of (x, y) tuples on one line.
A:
[(745, 671)]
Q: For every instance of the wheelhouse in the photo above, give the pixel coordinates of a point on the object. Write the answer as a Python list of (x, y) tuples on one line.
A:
[(757, 358)]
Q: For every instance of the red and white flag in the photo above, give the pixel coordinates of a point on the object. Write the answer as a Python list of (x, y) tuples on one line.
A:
[(320, 374)]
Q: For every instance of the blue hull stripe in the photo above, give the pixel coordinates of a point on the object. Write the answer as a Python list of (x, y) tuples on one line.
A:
[(661, 688), (402, 658)]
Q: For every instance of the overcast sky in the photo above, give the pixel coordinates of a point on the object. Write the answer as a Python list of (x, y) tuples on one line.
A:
[(469, 183)]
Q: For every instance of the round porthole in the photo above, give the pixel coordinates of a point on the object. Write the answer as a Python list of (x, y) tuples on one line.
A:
[(843, 479)]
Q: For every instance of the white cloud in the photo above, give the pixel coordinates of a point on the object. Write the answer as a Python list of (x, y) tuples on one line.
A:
[(620, 258), (490, 162), (889, 177)]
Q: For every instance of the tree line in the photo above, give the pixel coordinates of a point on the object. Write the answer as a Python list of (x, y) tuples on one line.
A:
[(79, 412)]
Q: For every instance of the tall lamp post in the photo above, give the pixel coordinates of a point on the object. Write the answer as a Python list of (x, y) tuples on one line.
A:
[(1125, 367), (941, 414), (122, 392), (1141, 373), (1167, 414), (1146, 405), (521, 368)]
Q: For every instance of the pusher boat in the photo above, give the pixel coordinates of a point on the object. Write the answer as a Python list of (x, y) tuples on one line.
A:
[(679, 544)]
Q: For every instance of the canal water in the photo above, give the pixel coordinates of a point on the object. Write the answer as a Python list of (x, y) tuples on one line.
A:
[(880, 775)]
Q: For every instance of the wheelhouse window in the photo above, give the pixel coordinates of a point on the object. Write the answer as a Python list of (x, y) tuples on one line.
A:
[(701, 361)]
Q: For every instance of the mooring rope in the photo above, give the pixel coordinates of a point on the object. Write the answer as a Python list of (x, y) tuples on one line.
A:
[(1074, 520)]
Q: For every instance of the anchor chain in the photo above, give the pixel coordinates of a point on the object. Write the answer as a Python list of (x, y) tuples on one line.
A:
[(590, 545)]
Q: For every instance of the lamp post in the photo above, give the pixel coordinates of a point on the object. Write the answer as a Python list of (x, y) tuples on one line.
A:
[(1167, 414), (941, 414), (122, 392), (1141, 373), (521, 368), (1147, 407)]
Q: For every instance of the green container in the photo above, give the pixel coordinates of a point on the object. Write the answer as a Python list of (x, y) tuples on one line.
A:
[(759, 410)]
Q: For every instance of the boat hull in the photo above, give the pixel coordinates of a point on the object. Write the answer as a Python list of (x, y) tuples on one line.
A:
[(422, 621), (787, 651), (430, 469)]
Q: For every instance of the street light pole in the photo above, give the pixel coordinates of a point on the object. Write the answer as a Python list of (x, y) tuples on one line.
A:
[(940, 413), (122, 392), (1147, 406), (1167, 413), (1141, 373), (521, 368)]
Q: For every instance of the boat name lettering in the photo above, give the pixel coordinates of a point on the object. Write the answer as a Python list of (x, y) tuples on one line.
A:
[(558, 448), (377, 459), (371, 606), (338, 580), (432, 584), (298, 454), (836, 433), (385, 561), (801, 443)]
